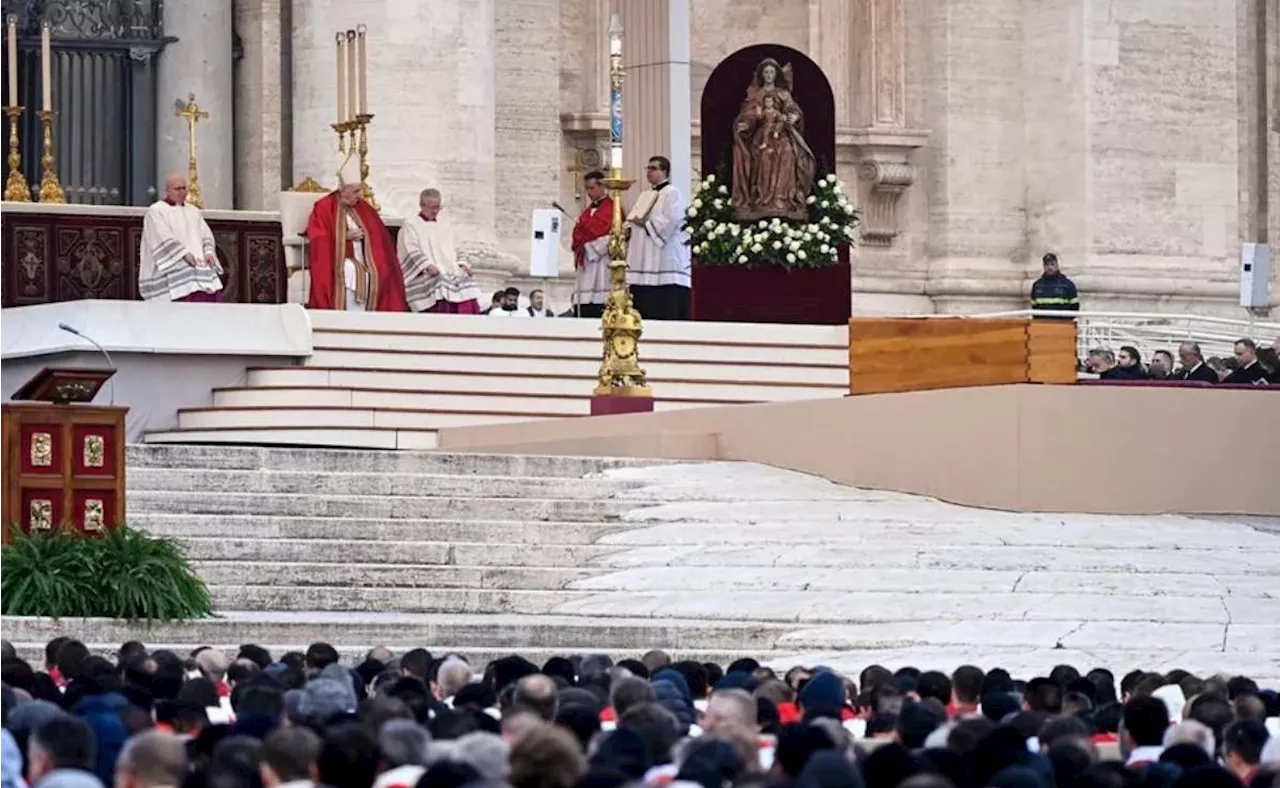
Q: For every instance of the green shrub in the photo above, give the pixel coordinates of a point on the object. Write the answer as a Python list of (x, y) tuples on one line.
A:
[(121, 574)]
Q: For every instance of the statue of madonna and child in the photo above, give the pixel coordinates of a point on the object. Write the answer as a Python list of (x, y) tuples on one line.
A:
[(773, 166)]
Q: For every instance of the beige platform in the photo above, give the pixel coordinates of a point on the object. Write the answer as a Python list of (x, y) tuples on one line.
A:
[(1020, 447)]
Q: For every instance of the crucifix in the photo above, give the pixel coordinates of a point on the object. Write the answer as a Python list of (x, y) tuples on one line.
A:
[(192, 114)]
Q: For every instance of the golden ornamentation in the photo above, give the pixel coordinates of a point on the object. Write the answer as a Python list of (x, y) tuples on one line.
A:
[(93, 518), (16, 188), (72, 391), (41, 515), (50, 187), (41, 449), (192, 114), (95, 451), (366, 191), (309, 184)]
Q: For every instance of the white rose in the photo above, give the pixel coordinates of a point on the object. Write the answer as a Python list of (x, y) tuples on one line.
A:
[(756, 248), (711, 178), (824, 204), (810, 200), (763, 224), (742, 258), (723, 190), (848, 209), (718, 203), (826, 220), (800, 254), (777, 244), (708, 224), (697, 203), (791, 258), (795, 246), (734, 229), (825, 249), (691, 212)]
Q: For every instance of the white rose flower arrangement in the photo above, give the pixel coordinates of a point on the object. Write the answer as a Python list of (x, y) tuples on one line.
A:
[(717, 238)]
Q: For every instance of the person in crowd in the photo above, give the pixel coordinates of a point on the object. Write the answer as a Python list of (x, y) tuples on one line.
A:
[(152, 759), (1242, 744), (1248, 371), (1128, 366), (1161, 366), (509, 306), (61, 753), (1146, 719), (289, 757), (436, 279), (1193, 364), (495, 302), (179, 259), (1053, 291), (537, 305), (1100, 361)]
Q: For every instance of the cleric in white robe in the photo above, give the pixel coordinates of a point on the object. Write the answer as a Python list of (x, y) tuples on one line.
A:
[(435, 280), (178, 257), (658, 261)]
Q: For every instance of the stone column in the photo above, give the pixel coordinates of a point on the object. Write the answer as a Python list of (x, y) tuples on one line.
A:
[(258, 126), (886, 275), (527, 119), (657, 101), (431, 83), (198, 62)]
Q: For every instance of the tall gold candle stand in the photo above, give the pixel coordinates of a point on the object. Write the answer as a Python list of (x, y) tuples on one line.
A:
[(16, 188), (366, 191), (50, 188)]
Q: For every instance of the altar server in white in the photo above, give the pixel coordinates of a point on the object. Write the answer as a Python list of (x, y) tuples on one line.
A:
[(658, 262), (178, 258), (435, 280)]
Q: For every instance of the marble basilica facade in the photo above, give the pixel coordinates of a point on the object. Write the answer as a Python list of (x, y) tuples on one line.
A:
[(1140, 139)]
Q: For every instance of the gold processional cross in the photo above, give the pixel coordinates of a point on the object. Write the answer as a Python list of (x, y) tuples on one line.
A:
[(193, 115)]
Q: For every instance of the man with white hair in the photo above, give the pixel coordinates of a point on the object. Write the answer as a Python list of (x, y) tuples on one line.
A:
[(452, 676), (353, 262), (178, 259), (152, 759), (435, 278)]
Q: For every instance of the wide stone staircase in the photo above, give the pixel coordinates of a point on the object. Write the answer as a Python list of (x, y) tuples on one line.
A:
[(551, 555)]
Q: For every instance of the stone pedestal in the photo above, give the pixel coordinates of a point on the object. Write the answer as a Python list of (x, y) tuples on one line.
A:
[(656, 101), (198, 62)]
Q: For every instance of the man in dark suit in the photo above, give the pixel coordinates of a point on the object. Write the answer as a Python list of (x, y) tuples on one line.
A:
[(1193, 366), (1247, 370)]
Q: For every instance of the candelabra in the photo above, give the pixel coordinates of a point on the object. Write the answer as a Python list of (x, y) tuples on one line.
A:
[(621, 385), (366, 191), (50, 188), (343, 128), (16, 188)]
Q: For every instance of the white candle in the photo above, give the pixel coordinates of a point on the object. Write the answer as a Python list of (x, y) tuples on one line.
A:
[(13, 60), (342, 104), (615, 157), (360, 36), (46, 67), (351, 75)]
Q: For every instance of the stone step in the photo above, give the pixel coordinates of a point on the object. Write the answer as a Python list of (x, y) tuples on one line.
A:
[(372, 530), (351, 461), (361, 551), (407, 630), (395, 484), (375, 506), (297, 574)]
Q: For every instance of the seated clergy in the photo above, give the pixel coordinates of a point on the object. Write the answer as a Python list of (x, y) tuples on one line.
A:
[(435, 280), (353, 262), (178, 261)]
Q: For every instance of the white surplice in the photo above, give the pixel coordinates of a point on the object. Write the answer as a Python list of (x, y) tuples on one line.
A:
[(657, 253), (421, 243), (169, 234)]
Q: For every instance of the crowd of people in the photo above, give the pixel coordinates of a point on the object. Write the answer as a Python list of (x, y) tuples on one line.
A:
[(1249, 365), (157, 719)]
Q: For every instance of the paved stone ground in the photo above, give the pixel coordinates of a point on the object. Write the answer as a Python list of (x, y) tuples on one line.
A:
[(872, 576)]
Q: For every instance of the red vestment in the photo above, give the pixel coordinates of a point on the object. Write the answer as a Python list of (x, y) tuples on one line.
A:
[(591, 225), (327, 234)]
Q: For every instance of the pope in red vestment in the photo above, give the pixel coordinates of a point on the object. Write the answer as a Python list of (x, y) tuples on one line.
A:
[(590, 248), (343, 229)]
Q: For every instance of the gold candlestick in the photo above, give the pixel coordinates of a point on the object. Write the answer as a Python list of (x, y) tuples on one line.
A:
[(50, 188), (366, 191), (16, 188), (192, 114), (342, 127)]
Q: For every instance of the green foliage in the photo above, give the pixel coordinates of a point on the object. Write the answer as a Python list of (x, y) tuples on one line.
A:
[(717, 238), (121, 574)]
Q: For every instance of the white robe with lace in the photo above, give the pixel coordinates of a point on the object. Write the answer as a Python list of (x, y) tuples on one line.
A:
[(169, 234), (657, 253), (420, 244)]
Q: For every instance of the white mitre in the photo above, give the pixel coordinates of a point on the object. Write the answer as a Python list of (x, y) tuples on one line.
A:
[(349, 170)]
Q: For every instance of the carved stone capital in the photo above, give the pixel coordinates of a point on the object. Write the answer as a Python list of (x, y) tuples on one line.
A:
[(885, 173)]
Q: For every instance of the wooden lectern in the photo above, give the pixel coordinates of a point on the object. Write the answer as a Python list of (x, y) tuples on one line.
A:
[(63, 458)]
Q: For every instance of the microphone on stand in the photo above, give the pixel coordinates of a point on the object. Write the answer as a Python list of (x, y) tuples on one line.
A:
[(561, 209), (110, 381)]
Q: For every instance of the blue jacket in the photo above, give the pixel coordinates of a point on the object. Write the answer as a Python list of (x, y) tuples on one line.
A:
[(102, 713)]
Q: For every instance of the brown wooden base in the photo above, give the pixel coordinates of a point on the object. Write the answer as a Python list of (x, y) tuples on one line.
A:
[(613, 405)]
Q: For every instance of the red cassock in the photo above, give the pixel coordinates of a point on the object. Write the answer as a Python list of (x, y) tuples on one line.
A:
[(326, 234), (591, 225)]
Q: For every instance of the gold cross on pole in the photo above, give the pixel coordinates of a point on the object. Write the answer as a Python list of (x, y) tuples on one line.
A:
[(192, 114)]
